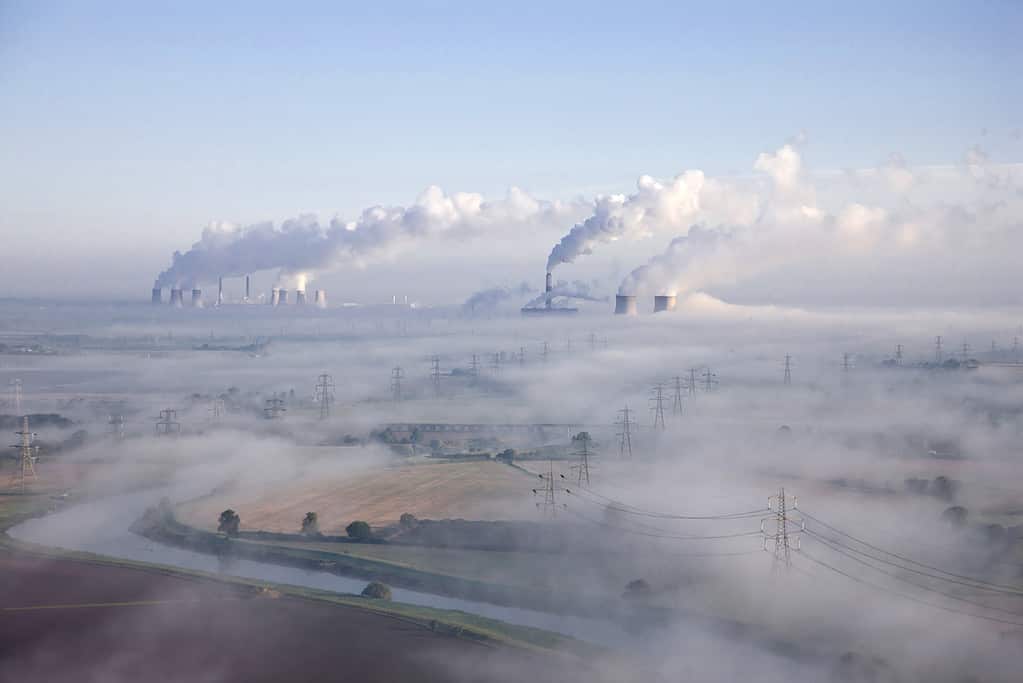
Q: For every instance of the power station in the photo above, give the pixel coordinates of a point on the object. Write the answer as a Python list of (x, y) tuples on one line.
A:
[(278, 296), (548, 307)]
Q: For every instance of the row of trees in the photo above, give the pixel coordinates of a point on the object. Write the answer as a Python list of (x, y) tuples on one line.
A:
[(229, 524)]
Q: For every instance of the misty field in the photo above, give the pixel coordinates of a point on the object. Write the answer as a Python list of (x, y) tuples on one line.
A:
[(472, 490)]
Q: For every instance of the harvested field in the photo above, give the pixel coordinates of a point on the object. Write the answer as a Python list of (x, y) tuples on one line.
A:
[(63, 620), (471, 490)]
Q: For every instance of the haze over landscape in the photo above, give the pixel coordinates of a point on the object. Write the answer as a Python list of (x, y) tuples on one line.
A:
[(447, 342)]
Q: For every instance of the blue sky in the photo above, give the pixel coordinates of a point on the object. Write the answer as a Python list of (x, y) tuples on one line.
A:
[(128, 126)]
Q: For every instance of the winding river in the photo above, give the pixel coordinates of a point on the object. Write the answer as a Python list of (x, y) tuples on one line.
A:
[(102, 527)]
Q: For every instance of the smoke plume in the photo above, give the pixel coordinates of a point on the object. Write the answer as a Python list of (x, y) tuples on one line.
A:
[(488, 299), (303, 246), (577, 289)]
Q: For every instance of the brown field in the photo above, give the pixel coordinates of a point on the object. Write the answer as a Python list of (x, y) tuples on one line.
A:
[(63, 620), (471, 490)]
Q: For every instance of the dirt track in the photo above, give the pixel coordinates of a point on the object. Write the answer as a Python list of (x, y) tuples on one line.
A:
[(170, 628)]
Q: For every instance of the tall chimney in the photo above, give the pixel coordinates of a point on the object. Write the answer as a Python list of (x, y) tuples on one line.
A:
[(321, 298), (547, 292), (175, 299), (157, 293), (196, 297), (220, 291), (282, 298), (300, 297), (625, 305), (275, 296), (247, 291), (664, 302)]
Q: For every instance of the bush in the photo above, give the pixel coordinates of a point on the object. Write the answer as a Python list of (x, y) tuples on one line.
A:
[(408, 520), (637, 588), (359, 530), (955, 515), (228, 522), (377, 590), (311, 524)]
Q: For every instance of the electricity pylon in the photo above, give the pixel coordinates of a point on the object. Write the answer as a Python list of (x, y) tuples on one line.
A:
[(216, 409), (116, 423), (522, 356), (710, 380), (676, 404), (625, 435), (167, 424), (27, 454), (593, 341), (546, 351), (582, 468), (784, 539), (274, 408), (691, 385), (964, 352), (324, 394), (846, 365), (16, 395), (474, 368), (788, 370), (549, 490), (435, 374), (898, 354), (495, 362), (657, 399), (937, 349), (397, 374)]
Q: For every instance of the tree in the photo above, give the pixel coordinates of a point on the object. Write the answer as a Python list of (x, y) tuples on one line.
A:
[(408, 520), (375, 589), (311, 524), (229, 522), (359, 531)]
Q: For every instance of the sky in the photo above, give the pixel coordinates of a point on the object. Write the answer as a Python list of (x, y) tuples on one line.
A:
[(128, 127)]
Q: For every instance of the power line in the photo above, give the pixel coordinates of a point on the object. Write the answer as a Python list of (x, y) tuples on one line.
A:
[(549, 506), (633, 510), (780, 539)]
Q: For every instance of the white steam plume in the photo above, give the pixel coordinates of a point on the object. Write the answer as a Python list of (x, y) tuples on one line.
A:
[(577, 289), (302, 246)]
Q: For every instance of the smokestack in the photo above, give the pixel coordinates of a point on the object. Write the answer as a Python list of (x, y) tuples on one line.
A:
[(220, 291), (625, 305), (283, 298), (664, 302), (196, 297), (247, 291), (175, 299), (275, 296), (321, 298), (157, 294), (547, 291), (300, 297)]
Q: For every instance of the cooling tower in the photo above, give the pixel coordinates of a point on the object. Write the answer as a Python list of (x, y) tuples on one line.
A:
[(320, 298), (625, 305), (175, 299), (282, 298), (196, 298), (275, 296), (300, 297), (664, 302)]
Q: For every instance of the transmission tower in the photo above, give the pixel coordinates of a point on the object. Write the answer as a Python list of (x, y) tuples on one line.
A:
[(710, 380), (27, 454), (549, 506), (676, 404), (324, 394), (1015, 349), (692, 382), (167, 424), (657, 401), (116, 423), (625, 435), (474, 368), (495, 363), (784, 539), (964, 352), (788, 370), (216, 409), (522, 356), (937, 349), (898, 354), (16, 395), (582, 468), (435, 374), (846, 365), (397, 374), (546, 351), (593, 341), (274, 408)]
